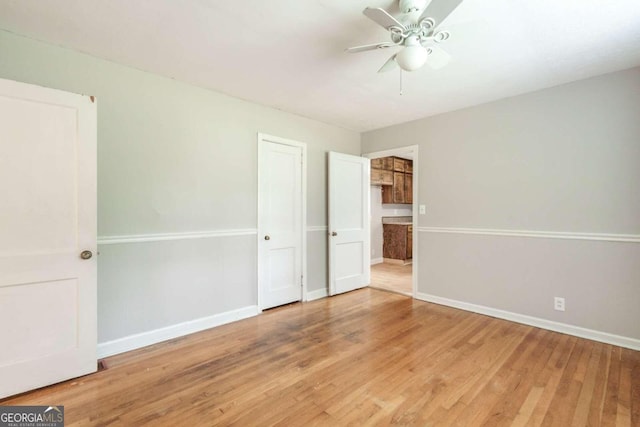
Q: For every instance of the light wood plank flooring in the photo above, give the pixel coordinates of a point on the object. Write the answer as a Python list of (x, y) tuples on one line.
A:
[(364, 358), (392, 277)]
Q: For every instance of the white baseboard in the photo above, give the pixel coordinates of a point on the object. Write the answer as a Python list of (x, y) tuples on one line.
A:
[(377, 261), (144, 339), (317, 294), (564, 328)]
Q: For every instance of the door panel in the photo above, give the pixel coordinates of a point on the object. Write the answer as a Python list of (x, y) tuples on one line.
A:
[(280, 229), (48, 191), (53, 334), (349, 273), (408, 188), (38, 209), (349, 236), (282, 269), (398, 187)]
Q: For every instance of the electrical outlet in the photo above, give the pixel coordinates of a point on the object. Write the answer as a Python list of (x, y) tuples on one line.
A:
[(423, 209), (558, 303)]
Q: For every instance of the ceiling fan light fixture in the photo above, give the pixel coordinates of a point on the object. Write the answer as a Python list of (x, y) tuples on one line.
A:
[(412, 57), (417, 26)]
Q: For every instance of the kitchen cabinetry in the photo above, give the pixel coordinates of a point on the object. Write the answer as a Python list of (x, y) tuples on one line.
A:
[(381, 177), (408, 188), (385, 163), (400, 189), (382, 171), (397, 190), (397, 241)]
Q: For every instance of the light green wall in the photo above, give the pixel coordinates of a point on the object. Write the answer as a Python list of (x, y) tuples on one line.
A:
[(175, 158), (172, 156), (559, 159), (562, 160)]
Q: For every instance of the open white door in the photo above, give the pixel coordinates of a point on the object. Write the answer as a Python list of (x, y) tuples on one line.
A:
[(48, 227), (349, 236), (280, 221)]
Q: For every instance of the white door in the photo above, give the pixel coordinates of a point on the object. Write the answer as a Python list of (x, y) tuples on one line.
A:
[(47, 219), (349, 236), (280, 217)]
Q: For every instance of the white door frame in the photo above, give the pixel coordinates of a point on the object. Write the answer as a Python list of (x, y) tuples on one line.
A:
[(263, 137), (413, 150)]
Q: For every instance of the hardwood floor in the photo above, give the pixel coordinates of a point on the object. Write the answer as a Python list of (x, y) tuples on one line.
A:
[(363, 358), (392, 277)]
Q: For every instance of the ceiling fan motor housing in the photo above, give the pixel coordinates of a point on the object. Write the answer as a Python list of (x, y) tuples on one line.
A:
[(408, 6)]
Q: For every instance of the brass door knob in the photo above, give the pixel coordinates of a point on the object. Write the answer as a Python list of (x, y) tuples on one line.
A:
[(267, 237), (333, 233), (86, 254)]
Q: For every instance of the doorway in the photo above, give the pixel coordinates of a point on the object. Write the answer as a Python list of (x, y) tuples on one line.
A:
[(394, 216)]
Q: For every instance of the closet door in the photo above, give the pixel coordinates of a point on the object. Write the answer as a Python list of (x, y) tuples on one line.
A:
[(48, 322)]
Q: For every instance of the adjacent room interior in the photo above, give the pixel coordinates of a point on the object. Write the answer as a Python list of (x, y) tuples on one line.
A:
[(408, 212), (392, 213)]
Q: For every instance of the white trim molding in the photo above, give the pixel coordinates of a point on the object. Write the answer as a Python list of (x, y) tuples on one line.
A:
[(377, 261), (133, 342), (317, 294), (626, 238), (537, 322), (145, 238)]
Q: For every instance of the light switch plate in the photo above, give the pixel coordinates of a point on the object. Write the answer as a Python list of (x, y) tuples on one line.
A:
[(423, 209)]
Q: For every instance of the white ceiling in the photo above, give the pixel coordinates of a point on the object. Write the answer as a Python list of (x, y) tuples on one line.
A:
[(289, 54)]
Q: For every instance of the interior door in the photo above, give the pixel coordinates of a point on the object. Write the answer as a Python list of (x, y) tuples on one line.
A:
[(349, 235), (280, 229), (48, 218)]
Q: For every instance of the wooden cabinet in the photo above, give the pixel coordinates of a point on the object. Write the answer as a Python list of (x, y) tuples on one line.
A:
[(381, 177), (408, 188), (408, 166), (397, 241), (382, 171), (398, 187), (396, 177), (385, 163), (398, 164)]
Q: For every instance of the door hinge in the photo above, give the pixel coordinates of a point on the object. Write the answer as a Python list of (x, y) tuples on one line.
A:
[(301, 279)]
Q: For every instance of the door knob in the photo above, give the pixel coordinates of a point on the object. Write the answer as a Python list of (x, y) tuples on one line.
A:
[(333, 233), (86, 254), (267, 237)]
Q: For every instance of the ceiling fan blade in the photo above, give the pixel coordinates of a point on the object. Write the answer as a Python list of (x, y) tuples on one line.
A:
[(383, 18), (437, 58), (389, 65), (438, 10), (365, 47)]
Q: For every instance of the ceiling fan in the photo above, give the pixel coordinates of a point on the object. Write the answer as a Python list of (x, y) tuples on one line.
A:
[(416, 29)]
